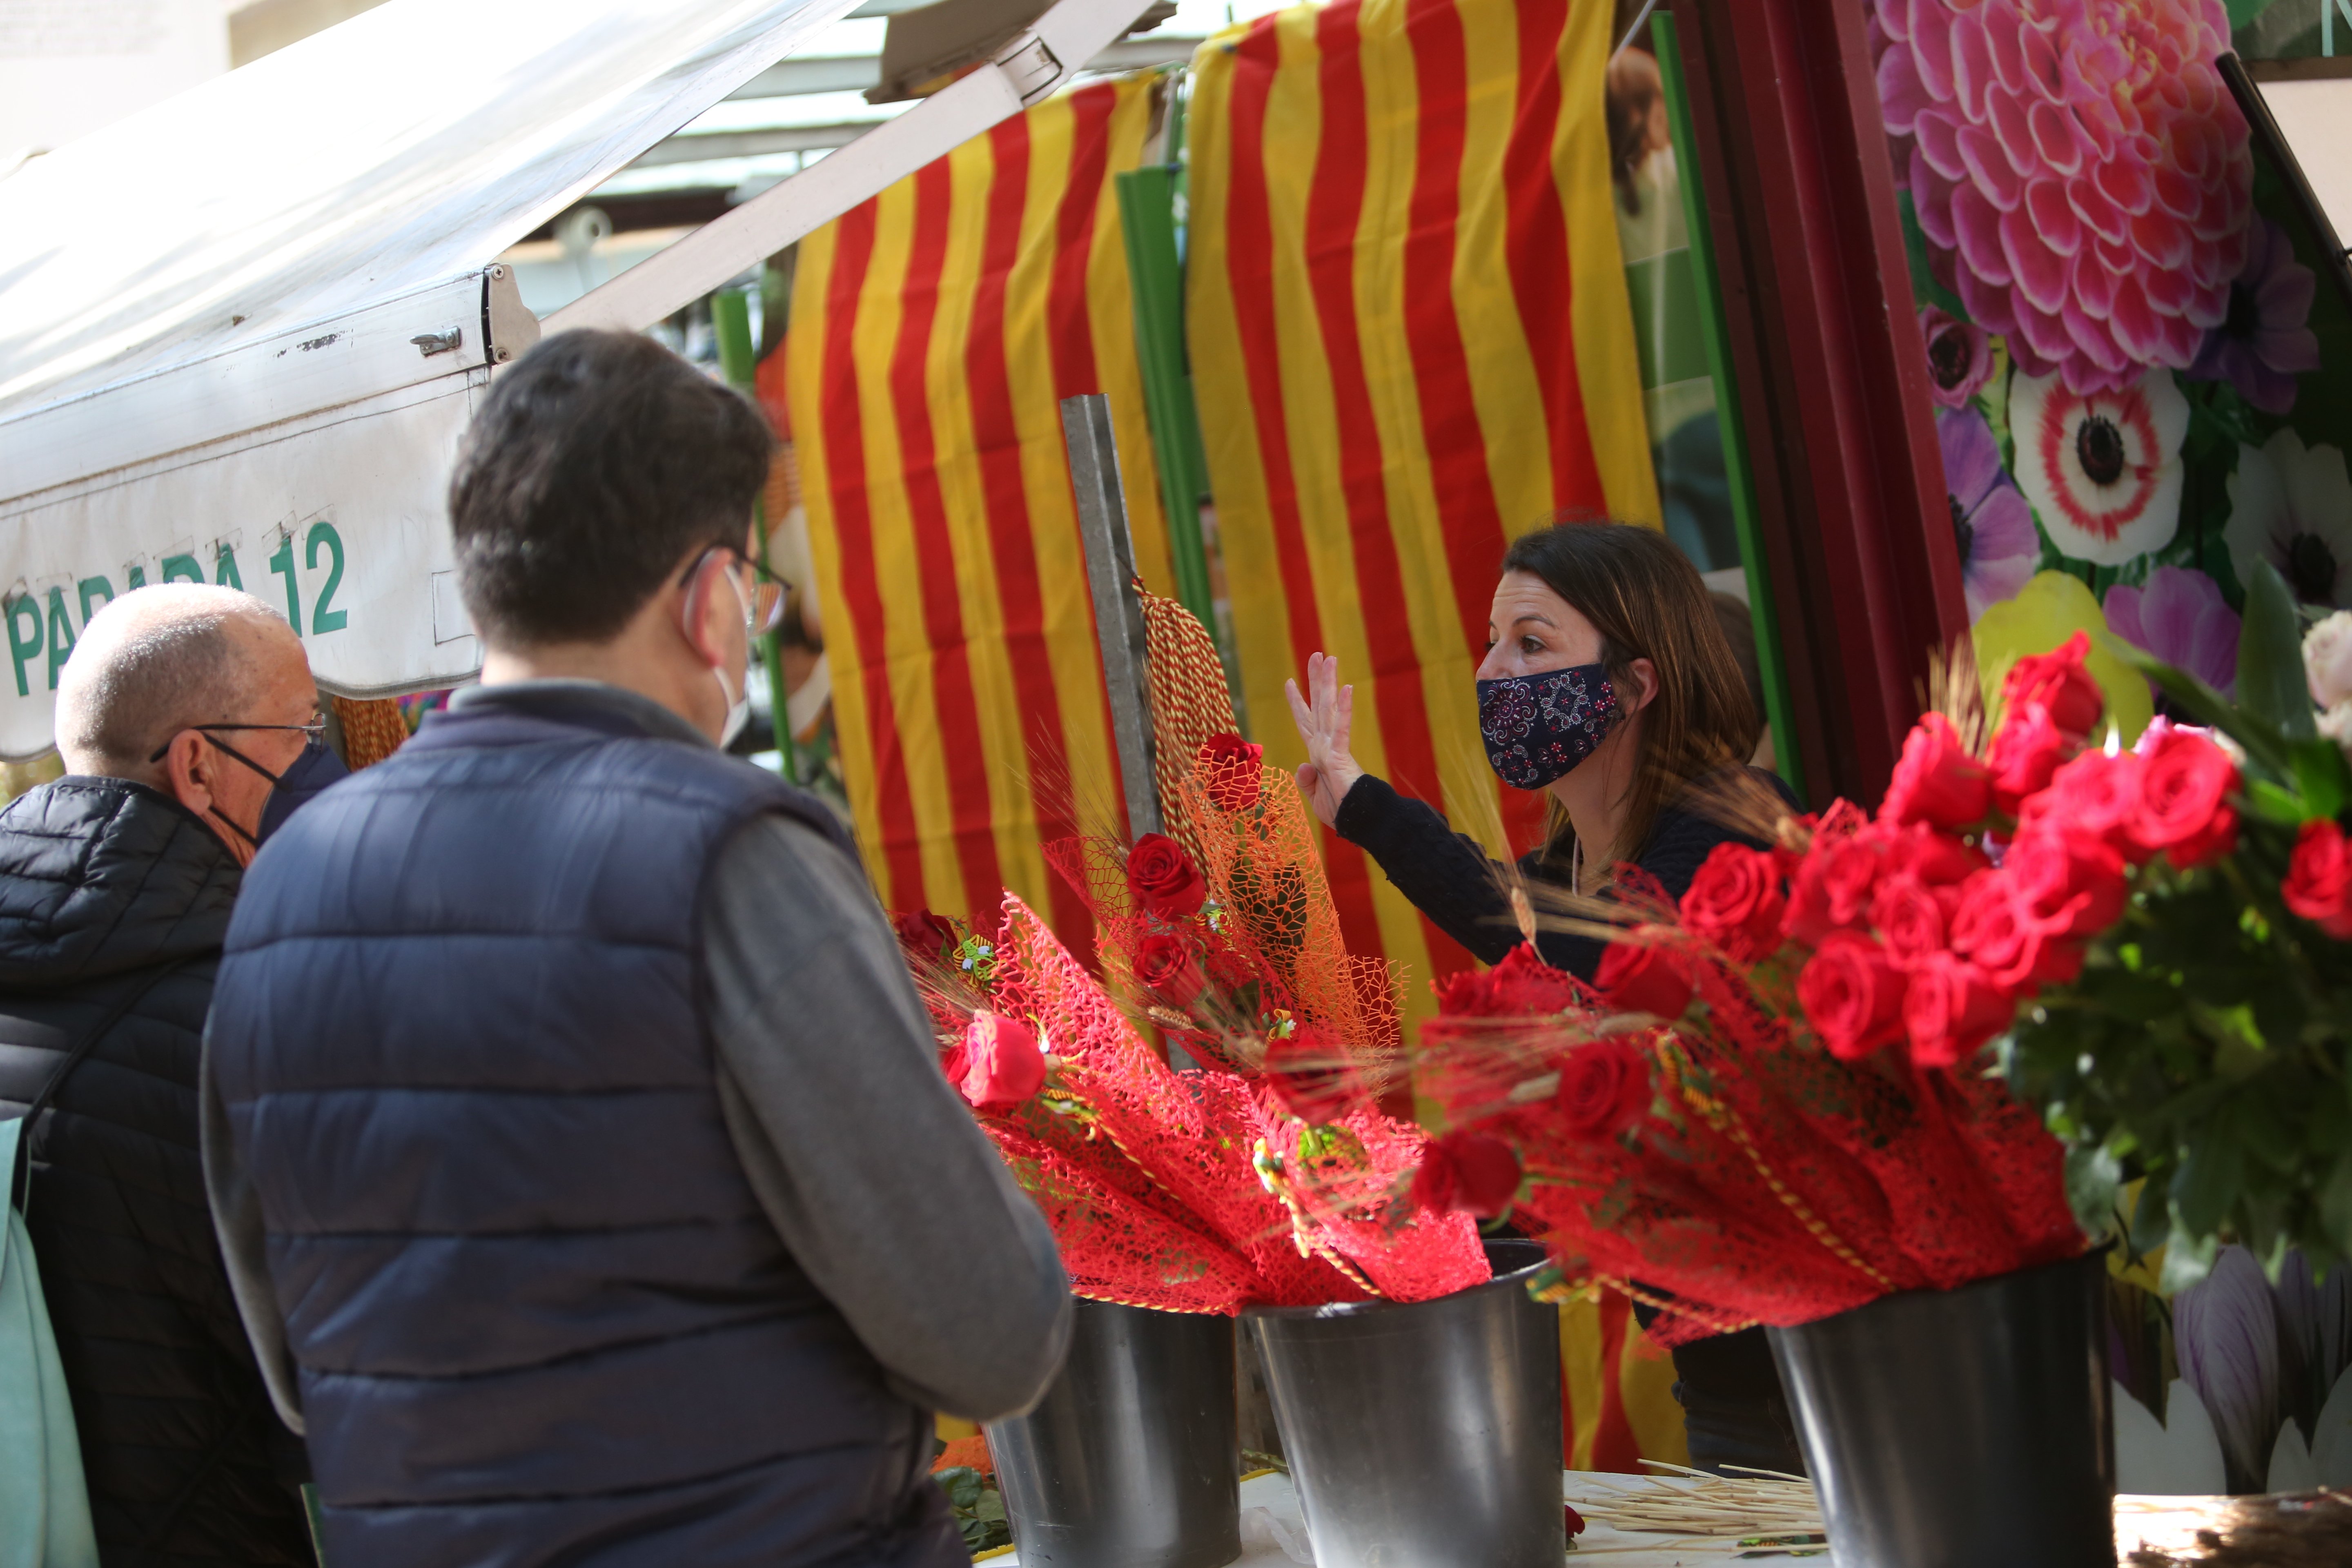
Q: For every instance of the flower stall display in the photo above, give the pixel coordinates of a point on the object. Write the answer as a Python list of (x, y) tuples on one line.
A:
[(2120, 318)]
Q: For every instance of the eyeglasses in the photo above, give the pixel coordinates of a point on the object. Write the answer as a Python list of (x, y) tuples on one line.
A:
[(314, 733), (766, 610)]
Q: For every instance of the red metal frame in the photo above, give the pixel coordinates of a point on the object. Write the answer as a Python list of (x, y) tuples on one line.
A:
[(1834, 387)]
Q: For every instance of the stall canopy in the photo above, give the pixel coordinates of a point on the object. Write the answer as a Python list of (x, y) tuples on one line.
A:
[(241, 332)]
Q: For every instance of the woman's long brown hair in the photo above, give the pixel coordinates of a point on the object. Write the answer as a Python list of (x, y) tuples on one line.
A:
[(1647, 601)]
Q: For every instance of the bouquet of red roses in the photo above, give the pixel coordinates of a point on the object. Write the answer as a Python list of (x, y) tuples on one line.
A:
[(1190, 1191)]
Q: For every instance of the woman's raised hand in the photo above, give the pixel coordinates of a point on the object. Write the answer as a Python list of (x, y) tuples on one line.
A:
[(1324, 718)]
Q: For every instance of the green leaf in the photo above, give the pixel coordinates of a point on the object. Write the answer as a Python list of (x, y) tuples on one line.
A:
[(2187, 1261), (2275, 805), (2151, 1224), (2092, 1178), (2242, 13), (990, 1506), (2210, 1180), (2336, 1203), (2321, 773), (2271, 683)]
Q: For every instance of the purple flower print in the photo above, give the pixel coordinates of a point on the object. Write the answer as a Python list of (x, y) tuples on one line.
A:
[(2264, 341), (2179, 616), (1959, 357), (1993, 525)]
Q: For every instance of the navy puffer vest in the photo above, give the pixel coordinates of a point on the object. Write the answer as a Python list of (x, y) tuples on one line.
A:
[(538, 1312)]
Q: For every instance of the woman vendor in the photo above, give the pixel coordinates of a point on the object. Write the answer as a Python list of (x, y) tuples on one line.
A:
[(1608, 683)]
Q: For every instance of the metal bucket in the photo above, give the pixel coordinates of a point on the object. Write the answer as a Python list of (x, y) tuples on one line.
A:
[(1424, 1435), (1945, 1428), (1133, 1457)]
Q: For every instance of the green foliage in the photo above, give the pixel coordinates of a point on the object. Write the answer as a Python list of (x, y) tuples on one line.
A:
[(978, 1508), (2270, 657), (2203, 1045), (2242, 13)]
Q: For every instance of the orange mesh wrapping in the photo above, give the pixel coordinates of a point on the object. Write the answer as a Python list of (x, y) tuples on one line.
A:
[(1189, 702), (372, 729)]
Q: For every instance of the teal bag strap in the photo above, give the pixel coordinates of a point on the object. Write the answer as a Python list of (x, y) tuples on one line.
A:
[(44, 1496)]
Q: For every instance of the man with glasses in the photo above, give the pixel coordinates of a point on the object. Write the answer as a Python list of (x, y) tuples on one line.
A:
[(577, 1138), (178, 707)]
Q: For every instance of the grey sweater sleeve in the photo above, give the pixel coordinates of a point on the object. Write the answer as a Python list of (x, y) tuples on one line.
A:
[(866, 1162), (245, 1249)]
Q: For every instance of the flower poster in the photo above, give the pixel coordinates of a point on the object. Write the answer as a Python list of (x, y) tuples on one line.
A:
[(2141, 369)]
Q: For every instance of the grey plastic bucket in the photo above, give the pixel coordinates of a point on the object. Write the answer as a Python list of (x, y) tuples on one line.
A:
[(1133, 1457), (1950, 1429), (1424, 1435)]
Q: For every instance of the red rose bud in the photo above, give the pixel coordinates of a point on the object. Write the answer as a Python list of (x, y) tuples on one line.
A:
[(1950, 1009), (1230, 767), (1734, 902), (1163, 878), (1637, 977), (2095, 793), (1169, 968), (1605, 1087), (923, 936), (1313, 1078), (1831, 888), (2183, 809), (2071, 882), (2025, 754), (1574, 1520), (1936, 782), (1473, 1171), (1852, 995), (1909, 919), (2319, 878), (1002, 1065), (1994, 929), (1522, 985), (2060, 681)]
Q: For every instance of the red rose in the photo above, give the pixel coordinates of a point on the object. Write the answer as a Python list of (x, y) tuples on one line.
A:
[(1639, 977), (1950, 1009), (2025, 754), (1936, 782), (2183, 807), (1831, 888), (1937, 859), (2319, 878), (1002, 1063), (1312, 1077), (2097, 794), (1163, 878), (1909, 919), (1852, 995), (1474, 1172), (1169, 968), (1523, 985), (1605, 1087), (1734, 902), (2060, 683), (1229, 766), (2069, 880), (1993, 928), (924, 937)]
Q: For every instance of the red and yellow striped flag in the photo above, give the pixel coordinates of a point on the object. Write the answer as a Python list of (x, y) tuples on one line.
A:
[(1412, 338), (934, 331)]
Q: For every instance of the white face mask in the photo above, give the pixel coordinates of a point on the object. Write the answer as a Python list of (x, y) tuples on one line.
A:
[(739, 702)]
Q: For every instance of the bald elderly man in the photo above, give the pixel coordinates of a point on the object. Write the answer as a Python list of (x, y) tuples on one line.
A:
[(179, 709)]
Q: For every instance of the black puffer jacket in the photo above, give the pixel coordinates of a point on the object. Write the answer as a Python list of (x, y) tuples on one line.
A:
[(102, 883)]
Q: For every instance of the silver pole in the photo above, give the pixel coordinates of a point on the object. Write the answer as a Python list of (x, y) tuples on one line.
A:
[(1119, 613)]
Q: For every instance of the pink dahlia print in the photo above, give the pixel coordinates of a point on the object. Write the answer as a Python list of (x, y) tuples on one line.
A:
[(2102, 468), (2080, 171)]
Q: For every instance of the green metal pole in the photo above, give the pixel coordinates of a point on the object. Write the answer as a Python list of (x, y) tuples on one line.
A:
[(1740, 479), (731, 324), (1146, 213)]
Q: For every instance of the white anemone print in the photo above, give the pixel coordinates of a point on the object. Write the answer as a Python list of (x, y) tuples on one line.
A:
[(2290, 505), (2102, 468)]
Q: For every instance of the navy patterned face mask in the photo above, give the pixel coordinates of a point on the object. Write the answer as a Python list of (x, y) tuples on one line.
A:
[(1539, 727)]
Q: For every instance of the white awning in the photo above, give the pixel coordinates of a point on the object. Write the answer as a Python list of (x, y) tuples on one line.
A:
[(241, 332)]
